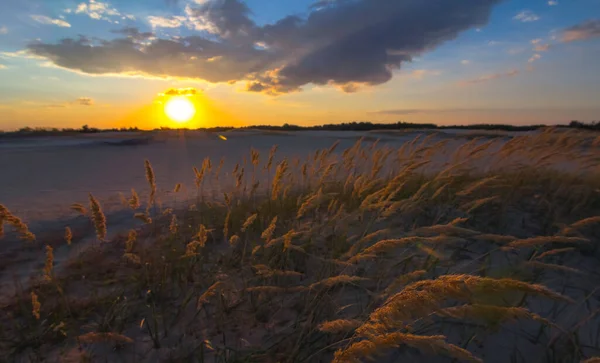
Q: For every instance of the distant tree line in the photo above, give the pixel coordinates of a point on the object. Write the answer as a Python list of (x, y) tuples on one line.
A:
[(348, 126), (594, 125)]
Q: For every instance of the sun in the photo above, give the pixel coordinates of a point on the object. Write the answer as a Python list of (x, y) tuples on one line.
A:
[(180, 109)]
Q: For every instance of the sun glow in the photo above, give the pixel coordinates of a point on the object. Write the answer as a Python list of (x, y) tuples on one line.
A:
[(180, 109)]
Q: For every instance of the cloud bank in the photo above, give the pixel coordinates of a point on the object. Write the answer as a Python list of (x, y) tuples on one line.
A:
[(586, 30), (348, 43)]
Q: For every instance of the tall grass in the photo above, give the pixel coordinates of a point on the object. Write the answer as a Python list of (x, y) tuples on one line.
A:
[(489, 253)]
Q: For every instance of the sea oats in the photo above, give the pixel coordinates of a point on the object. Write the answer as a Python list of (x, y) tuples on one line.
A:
[(403, 280), (266, 272), (555, 252), (131, 238), (435, 344), (177, 188), (226, 225), (68, 235), (278, 178), (337, 280), (35, 305), (174, 225), (98, 217), (235, 239), (543, 240), (199, 176), (16, 223), (202, 235), (490, 313), (191, 248), (79, 208), (339, 326), (310, 203), (209, 293), (586, 222), (385, 246), (133, 258), (255, 157), (143, 217), (268, 232), (48, 266), (249, 221), (271, 156), (151, 180), (134, 201)]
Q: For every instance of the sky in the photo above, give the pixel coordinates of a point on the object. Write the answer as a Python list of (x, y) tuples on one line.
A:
[(66, 63)]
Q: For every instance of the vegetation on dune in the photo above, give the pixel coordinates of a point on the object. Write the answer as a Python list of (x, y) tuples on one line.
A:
[(346, 256), (347, 126)]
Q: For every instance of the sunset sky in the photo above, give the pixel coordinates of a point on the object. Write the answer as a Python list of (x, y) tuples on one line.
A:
[(65, 63)]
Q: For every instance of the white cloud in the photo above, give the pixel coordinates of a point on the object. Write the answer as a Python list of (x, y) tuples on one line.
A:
[(542, 47), (534, 58), (526, 16), (42, 19), (100, 10), (3, 30), (2, 66), (465, 62), (166, 22), (536, 41), (552, 2)]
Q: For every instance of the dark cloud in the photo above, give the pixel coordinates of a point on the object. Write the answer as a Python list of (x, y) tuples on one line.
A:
[(586, 30), (349, 43), (180, 92), (134, 33)]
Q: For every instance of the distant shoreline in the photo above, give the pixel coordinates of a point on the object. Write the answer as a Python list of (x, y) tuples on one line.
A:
[(352, 126)]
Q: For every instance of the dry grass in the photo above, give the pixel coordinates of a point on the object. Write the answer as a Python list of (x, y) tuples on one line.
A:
[(364, 253)]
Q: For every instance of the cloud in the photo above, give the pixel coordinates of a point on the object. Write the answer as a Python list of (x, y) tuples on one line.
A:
[(191, 91), (526, 16), (3, 30), (586, 30), (490, 77), (398, 112), (134, 34), (541, 47), (42, 19), (552, 2), (421, 73), (166, 22), (347, 43), (84, 101), (465, 62), (2, 66), (534, 58), (100, 10), (81, 101)]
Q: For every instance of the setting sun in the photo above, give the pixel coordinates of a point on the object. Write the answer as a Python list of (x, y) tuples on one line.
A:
[(180, 109)]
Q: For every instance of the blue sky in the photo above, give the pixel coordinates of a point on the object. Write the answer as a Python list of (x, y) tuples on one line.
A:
[(528, 61)]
